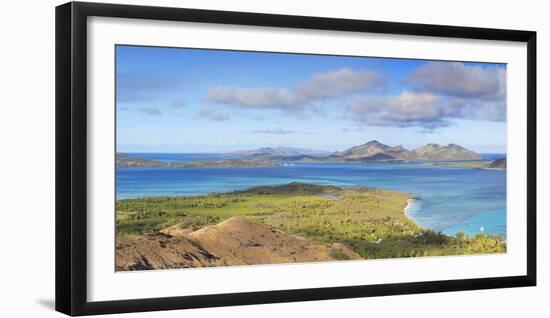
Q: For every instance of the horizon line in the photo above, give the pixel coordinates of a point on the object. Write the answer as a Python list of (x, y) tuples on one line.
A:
[(344, 148)]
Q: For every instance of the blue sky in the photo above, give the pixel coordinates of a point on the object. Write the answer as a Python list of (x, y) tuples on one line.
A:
[(192, 100)]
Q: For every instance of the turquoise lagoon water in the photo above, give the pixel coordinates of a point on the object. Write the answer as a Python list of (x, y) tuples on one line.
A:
[(450, 199)]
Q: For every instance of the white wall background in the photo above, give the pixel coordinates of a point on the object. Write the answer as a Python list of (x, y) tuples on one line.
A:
[(27, 158)]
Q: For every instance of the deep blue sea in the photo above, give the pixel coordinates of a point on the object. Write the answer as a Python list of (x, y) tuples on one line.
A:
[(451, 199)]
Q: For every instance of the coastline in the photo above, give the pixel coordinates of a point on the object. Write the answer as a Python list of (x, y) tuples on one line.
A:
[(452, 230), (410, 202), (498, 165), (328, 228)]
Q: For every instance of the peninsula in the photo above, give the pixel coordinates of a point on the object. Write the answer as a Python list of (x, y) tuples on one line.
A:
[(296, 222), (124, 160)]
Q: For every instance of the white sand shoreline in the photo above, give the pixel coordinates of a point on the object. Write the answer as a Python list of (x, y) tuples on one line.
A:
[(407, 208)]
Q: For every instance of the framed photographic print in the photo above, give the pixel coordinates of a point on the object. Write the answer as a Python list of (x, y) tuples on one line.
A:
[(210, 158)]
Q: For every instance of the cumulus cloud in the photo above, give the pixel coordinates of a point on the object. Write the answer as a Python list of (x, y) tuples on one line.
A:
[(274, 131), (440, 92), (304, 96), (480, 109), (420, 109), (211, 113), (259, 98), (339, 82), (151, 111), (460, 80), (437, 93), (405, 110), (478, 91)]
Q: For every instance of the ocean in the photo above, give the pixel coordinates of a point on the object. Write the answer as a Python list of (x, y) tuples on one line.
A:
[(450, 199)]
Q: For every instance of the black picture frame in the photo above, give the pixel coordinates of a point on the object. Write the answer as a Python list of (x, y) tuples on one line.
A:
[(71, 157)]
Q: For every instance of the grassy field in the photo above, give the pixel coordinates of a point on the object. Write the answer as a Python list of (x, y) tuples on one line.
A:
[(369, 221)]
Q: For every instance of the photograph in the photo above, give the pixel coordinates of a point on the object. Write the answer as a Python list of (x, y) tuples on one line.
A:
[(275, 159), (232, 158)]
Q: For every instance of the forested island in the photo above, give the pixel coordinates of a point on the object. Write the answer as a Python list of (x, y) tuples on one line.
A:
[(372, 151), (498, 164)]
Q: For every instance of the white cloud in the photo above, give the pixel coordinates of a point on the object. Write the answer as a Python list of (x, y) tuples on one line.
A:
[(422, 109), (259, 98), (459, 80), (407, 109), (438, 93), (339, 82), (304, 96)]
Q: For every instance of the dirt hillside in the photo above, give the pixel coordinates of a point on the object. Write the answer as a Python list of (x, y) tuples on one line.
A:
[(236, 241)]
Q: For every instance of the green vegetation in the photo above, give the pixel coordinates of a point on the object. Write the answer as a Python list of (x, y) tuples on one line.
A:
[(495, 164), (123, 160), (369, 221), (465, 164)]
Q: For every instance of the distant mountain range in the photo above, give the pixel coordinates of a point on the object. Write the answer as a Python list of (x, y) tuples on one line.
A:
[(372, 151)]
